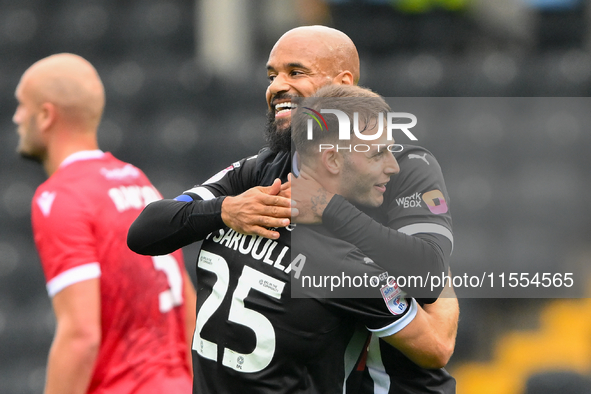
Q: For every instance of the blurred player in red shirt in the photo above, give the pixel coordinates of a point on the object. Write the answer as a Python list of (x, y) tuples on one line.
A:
[(123, 320)]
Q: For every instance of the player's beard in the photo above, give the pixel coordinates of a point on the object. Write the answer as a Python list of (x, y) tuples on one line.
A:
[(29, 146), (31, 156), (278, 133)]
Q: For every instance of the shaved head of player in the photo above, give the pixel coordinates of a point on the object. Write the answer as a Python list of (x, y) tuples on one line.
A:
[(303, 60), (60, 104), (107, 300)]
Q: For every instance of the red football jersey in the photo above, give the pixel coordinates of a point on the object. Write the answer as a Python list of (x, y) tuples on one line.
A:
[(81, 216)]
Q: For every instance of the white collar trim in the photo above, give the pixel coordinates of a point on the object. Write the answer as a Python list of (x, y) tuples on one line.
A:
[(83, 155)]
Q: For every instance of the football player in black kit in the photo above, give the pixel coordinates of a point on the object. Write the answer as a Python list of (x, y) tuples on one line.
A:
[(387, 369), (247, 199)]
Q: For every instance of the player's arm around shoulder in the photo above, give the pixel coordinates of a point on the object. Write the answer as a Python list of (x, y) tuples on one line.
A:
[(166, 225), (77, 338)]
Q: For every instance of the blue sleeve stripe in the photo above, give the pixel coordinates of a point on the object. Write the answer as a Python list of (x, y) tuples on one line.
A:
[(184, 197)]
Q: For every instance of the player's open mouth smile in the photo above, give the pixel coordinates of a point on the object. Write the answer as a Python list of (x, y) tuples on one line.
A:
[(381, 187), (284, 109)]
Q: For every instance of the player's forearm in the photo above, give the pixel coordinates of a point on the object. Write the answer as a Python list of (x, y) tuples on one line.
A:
[(421, 342), (71, 362), (444, 315), (400, 254), (167, 225)]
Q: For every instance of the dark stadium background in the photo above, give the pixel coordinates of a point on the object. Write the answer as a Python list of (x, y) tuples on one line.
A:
[(185, 86)]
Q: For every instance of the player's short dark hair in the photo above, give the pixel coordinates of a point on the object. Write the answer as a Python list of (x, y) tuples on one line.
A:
[(346, 98)]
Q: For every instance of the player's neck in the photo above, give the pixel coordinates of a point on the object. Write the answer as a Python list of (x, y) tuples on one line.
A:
[(66, 144)]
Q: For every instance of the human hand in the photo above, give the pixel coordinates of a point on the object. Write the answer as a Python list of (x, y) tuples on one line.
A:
[(285, 190), (309, 199), (256, 210)]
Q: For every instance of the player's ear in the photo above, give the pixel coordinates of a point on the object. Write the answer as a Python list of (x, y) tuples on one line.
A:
[(46, 116), (332, 160), (344, 78)]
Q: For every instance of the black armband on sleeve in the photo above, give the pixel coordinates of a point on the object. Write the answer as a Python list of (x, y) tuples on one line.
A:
[(167, 225), (400, 254)]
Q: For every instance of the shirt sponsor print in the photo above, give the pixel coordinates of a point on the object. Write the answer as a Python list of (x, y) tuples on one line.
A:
[(435, 202), (412, 201), (127, 171)]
